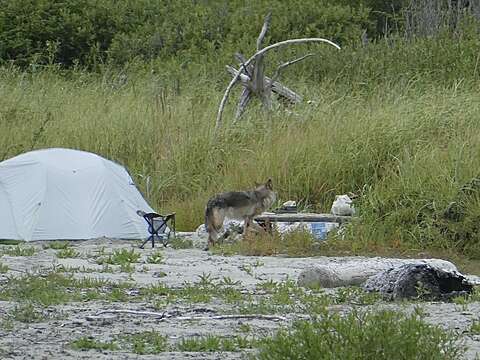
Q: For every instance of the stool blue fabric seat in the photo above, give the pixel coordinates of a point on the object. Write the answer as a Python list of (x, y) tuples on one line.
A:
[(158, 226)]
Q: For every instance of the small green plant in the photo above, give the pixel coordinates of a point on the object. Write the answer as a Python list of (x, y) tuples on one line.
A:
[(262, 306), (7, 324), (116, 295), (181, 243), (229, 294), (67, 252), (155, 258), (57, 245), (147, 342), (356, 295), (3, 268), (258, 263), (127, 267), (160, 274), (100, 252), (89, 343), (247, 268), (205, 280), (156, 290), (419, 311), (244, 328), (464, 300), (194, 293), (106, 269), (475, 328), (19, 251), (121, 257), (27, 313), (212, 343), (59, 288), (43, 290), (87, 283), (228, 281)]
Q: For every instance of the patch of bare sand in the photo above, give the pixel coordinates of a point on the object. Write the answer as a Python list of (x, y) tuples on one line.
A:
[(51, 338)]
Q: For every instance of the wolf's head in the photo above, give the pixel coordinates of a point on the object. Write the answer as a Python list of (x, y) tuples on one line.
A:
[(266, 194), (268, 185)]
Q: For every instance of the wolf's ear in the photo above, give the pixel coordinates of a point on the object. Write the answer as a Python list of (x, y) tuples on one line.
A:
[(269, 184)]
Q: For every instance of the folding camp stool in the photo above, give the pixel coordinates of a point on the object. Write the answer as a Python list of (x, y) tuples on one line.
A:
[(157, 224)]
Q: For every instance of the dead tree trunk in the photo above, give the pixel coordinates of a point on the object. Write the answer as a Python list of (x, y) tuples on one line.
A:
[(251, 74)]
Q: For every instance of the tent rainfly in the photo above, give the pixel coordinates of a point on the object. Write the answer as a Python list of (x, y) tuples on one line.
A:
[(68, 194)]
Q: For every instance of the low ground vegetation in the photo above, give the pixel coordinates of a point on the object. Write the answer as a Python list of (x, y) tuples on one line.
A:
[(18, 250), (382, 335), (61, 295)]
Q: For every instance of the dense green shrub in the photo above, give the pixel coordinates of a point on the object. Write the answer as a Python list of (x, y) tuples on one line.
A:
[(39, 31), (91, 31), (383, 335)]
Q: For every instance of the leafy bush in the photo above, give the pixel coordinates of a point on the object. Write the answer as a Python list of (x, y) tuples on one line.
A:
[(47, 31), (89, 31)]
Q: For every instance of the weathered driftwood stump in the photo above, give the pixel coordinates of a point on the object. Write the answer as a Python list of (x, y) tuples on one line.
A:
[(251, 74), (356, 271), (419, 281), (430, 279)]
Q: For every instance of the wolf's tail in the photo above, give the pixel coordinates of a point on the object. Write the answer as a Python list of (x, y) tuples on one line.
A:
[(213, 221), (208, 215)]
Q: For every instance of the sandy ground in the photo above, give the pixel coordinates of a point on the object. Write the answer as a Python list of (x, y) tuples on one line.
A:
[(50, 339)]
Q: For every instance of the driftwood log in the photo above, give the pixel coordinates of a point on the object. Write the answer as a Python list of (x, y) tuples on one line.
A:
[(428, 279), (352, 271), (275, 87), (419, 281), (251, 74)]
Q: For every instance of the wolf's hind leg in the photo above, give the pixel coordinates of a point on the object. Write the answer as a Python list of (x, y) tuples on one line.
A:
[(215, 224), (246, 224), (212, 238), (256, 227)]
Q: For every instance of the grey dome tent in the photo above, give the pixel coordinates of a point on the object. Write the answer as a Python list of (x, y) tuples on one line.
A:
[(68, 194)]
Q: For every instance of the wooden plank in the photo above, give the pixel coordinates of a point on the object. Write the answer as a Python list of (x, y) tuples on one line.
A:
[(302, 217)]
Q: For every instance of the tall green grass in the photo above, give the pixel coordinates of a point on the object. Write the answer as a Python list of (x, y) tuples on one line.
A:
[(406, 138)]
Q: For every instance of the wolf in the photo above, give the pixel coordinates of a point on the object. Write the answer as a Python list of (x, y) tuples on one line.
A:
[(239, 205)]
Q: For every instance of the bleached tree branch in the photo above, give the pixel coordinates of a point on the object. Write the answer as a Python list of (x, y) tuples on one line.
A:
[(263, 51), (288, 63)]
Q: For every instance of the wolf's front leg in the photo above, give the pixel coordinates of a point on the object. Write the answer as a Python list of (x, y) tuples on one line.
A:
[(246, 223)]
